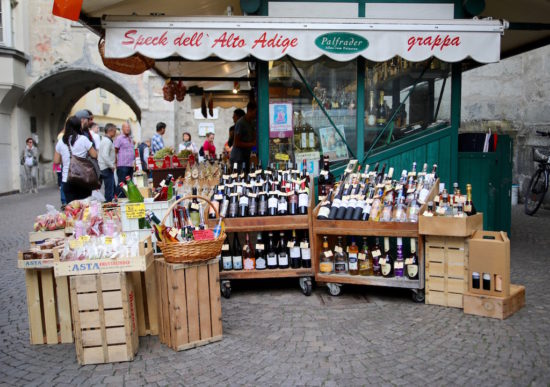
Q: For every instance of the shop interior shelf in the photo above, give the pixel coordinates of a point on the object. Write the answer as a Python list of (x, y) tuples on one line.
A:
[(369, 280), (267, 273)]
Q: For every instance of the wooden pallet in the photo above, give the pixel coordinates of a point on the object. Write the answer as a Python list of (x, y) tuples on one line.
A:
[(104, 316), (145, 287), (48, 305), (446, 270), (495, 307), (189, 304)]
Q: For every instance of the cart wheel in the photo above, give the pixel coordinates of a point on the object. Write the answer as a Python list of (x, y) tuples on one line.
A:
[(334, 289), (418, 295), (306, 285), (226, 289)]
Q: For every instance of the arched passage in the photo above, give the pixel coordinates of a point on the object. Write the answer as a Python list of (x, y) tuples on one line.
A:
[(45, 105)]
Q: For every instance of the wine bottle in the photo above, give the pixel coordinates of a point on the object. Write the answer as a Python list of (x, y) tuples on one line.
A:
[(411, 263), (469, 208), (271, 253), (294, 252), (305, 251), (243, 204), (253, 202), (233, 205), (194, 209), (272, 202), (134, 196), (340, 259), (386, 261), (352, 203), (249, 260), (282, 203), (324, 209), (353, 258), (377, 204), (282, 252), (262, 201), (261, 259), (360, 204), (326, 258), (376, 255), (237, 253), (398, 265), (336, 202), (303, 199), (365, 259), (365, 215), (381, 112), (227, 256), (326, 179), (292, 201), (371, 111), (216, 199)]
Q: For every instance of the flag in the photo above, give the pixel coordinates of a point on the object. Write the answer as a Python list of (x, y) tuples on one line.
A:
[(68, 9)]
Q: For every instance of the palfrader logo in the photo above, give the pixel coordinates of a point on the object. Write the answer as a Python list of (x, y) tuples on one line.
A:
[(341, 42)]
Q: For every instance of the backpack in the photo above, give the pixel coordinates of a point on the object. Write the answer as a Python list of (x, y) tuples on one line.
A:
[(141, 148)]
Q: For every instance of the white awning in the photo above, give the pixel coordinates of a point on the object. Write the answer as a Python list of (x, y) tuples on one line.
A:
[(234, 38)]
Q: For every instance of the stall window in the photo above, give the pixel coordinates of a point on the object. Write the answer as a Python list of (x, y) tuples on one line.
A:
[(309, 103), (405, 98)]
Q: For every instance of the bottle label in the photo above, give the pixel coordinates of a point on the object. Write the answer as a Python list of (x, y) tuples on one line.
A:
[(324, 212), (376, 253), (398, 265), (386, 268), (259, 246), (295, 252), (237, 262), (303, 200), (304, 141), (408, 261), (336, 203), (262, 207), (271, 259), (340, 267), (243, 201), (282, 206), (311, 139), (362, 256), (290, 244), (233, 208), (225, 247), (353, 263), (260, 263), (324, 172), (306, 254), (338, 249), (249, 264), (371, 120), (304, 245), (227, 262), (328, 254), (283, 259), (412, 270), (467, 208), (325, 267), (272, 203)]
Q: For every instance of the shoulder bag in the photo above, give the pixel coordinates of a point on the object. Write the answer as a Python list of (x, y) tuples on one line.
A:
[(82, 172)]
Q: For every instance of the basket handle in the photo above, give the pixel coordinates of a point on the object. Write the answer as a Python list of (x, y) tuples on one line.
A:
[(169, 211)]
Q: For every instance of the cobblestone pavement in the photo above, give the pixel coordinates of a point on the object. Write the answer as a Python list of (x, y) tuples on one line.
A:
[(273, 335)]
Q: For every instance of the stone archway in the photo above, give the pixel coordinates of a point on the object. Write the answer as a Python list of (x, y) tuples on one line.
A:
[(47, 102)]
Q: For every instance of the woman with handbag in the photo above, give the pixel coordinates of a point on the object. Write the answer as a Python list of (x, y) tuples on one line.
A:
[(79, 177)]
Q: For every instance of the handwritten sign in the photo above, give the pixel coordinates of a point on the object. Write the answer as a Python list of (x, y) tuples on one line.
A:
[(203, 235), (135, 211)]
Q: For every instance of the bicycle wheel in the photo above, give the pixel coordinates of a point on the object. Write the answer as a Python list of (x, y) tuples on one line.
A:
[(535, 192)]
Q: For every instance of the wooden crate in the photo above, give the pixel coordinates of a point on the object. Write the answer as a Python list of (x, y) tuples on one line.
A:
[(495, 307), (104, 317), (450, 226), (145, 288), (48, 305), (446, 270), (189, 304)]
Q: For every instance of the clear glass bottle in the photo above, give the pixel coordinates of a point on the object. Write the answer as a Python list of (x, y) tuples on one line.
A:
[(326, 258), (353, 258), (411, 263), (249, 260), (340, 259), (365, 259)]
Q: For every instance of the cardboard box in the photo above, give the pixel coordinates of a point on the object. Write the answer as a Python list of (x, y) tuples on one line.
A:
[(490, 257), (495, 307), (450, 226)]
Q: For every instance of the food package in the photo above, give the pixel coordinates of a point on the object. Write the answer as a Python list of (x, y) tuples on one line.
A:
[(50, 221)]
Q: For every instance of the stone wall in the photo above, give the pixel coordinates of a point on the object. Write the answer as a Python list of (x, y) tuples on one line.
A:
[(511, 97)]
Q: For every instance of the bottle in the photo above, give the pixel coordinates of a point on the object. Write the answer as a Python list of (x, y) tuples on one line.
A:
[(292, 201), (365, 259), (386, 261), (282, 204), (371, 111), (294, 252), (272, 202), (352, 203), (170, 191), (218, 228), (134, 196), (253, 202), (249, 260), (326, 259), (243, 204), (326, 179), (233, 205), (324, 209), (381, 112), (217, 200), (343, 203), (376, 255), (429, 210), (469, 208), (303, 199), (365, 215), (377, 204), (305, 252), (262, 202), (237, 250), (194, 209), (400, 211), (227, 257), (399, 264), (261, 259), (340, 259), (413, 210), (282, 252), (271, 253), (353, 258), (411, 263)]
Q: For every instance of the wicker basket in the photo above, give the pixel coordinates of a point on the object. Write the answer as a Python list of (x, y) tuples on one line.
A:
[(193, 251), (133, 65)]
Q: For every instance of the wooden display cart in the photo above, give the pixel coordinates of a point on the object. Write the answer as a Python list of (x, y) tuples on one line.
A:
[(270, 223), (335, 228)]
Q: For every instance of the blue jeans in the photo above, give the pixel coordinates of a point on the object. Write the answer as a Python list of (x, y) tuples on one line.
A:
[(108, 177), (60, 184), (121, 173)]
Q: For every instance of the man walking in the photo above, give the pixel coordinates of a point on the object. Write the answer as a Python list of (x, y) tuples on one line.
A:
[(107, 159), (157, 143), (125, 155)]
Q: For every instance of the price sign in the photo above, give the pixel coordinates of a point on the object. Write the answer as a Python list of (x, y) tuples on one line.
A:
[(108, 240), (203, 235), (135, 211)]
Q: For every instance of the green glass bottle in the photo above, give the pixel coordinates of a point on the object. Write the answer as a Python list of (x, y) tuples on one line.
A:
[(134, 196)]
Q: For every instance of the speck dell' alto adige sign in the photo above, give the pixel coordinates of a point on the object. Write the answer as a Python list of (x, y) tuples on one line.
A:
[(341, 42)]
